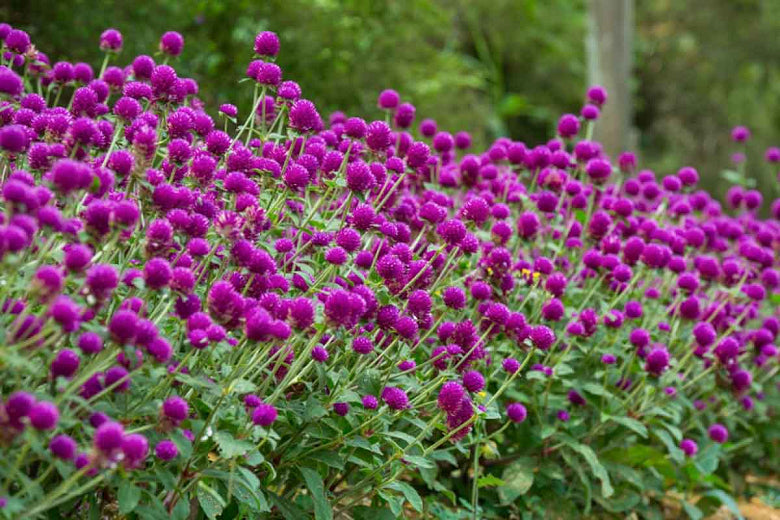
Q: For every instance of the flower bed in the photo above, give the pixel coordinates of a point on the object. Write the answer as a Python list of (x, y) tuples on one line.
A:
[(262, 315)]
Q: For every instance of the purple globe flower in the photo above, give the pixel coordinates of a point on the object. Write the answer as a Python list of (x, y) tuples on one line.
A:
[(44, 416), (718, 433), (516, 412), (450, 397), (267, 44), (166, 450), (264, 415), (689, 447), (175, 409), (63, 447), (172, 43), (111, 40)]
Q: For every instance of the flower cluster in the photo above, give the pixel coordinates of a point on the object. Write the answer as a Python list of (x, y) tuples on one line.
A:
[(261, 293)]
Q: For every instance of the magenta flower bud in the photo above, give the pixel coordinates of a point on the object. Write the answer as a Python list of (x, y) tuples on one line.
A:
[(44, 416), (516, 412), (341, 409), (450, 397), (172, 43), (166, 450), (19, 405), (510, 365), (264, 415), (65, 363), (267, 44), (175, 409), (718, 433), (135, 448), (369, 402), (111, 40), (473, 381), (395, 398), (689, 447), (63, 447), (108, 437)]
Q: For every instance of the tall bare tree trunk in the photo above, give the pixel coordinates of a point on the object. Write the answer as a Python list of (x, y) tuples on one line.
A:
[(610, 50)]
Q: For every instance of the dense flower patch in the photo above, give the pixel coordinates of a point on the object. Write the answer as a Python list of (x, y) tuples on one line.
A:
[(263, 315)]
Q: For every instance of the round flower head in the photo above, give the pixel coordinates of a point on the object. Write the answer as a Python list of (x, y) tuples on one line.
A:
[(63, 447), (597, 95), (264, 415), (718, 433), (44, 416), (689, 447), (516, 412), (369, 402), (657, 360), (267, 44), (175, 409), (473, 381), (395, 398), (450, 397), (135, 448), (388, 99), (542, 337), (65, 363), (172, 43), (740, 134), (166, 450), (108, 437), (111, 40), (510, 365), (341, 409)]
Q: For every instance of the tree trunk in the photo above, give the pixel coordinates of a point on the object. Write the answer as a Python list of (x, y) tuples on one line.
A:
[(609, 49)]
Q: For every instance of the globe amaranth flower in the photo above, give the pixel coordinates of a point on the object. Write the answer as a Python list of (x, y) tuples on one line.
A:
[(111, 40), (657, 360), (689, 447), (166, 450), (718, 433), (473, 381), (264, 415), (388, 99), (516, 412), (172, 43), (267, 44), (175, 409), (450, 397), (63, 447), (395, 398)]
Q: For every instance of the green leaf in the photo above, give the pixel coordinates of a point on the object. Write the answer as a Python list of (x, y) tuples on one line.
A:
[(314, 410), (231, 447), (181, 511), (322, 510), (675, 452), (596, 389), (210, 501), (372, 513), (489, 481), (707, 459), (596, 467), (693, 512), (289, 510), (420, 462), (725, 499), (409, 493), (444, 456), (330, 458), (631, 424), (128, 496), (518, 478)]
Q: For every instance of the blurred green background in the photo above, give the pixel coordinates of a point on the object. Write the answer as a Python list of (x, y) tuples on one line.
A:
[(493, 67)]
